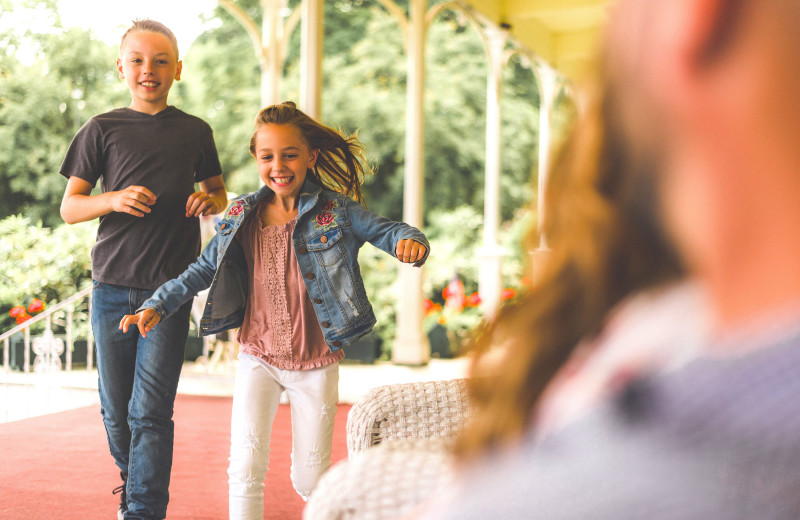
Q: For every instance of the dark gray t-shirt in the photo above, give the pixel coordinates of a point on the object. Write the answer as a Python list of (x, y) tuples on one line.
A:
[(166, 153)]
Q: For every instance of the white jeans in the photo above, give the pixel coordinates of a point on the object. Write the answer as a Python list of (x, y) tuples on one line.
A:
[(313, 395)]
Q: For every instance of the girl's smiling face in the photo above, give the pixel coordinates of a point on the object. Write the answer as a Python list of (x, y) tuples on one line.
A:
[(283, 157)]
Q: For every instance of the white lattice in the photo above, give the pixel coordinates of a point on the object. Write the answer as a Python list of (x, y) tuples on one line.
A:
[(47, 348)]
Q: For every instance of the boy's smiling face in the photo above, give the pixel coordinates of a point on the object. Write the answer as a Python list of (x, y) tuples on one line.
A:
[(149, 64)]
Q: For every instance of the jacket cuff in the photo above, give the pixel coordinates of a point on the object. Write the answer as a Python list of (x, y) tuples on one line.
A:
[(156, 305)]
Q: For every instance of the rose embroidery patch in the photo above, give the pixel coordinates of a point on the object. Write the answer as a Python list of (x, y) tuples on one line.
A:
[(236, 209), (326, 216)]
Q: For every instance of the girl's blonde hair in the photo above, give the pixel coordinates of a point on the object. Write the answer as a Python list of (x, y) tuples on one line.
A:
[(149, 26), (341, 162), (606, 242)]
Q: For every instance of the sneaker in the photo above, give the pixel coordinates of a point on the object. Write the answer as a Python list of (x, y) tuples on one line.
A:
[(123, 499)]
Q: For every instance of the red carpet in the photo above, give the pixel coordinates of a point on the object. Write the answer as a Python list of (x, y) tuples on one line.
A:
[(58, 466)]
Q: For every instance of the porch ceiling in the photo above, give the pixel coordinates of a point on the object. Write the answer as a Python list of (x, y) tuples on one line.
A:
[(562, 32)]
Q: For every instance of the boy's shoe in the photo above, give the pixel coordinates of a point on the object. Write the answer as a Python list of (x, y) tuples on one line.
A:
[(123, 499)]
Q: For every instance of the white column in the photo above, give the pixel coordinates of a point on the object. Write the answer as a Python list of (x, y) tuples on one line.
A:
[(548, 88), (311, 58), (489, 277), (548, 83), (411, 344), (272, 36)]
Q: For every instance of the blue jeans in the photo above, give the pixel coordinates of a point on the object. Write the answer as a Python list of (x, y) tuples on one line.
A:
[(138, 380)]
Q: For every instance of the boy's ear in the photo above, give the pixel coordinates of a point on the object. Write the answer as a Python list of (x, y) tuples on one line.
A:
[(119, 69), (178, 71)]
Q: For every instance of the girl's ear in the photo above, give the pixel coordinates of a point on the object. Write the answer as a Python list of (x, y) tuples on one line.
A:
[(312, 159)]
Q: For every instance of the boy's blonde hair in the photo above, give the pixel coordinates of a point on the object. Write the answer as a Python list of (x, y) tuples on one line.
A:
[(149, 26)]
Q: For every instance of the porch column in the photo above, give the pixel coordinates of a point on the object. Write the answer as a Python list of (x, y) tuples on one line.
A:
[(311, 58), (489, 278), (548, 88), (411, 344), (272, 38)]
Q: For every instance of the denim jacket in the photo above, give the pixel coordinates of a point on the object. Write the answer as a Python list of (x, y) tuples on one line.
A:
[(330, 230)]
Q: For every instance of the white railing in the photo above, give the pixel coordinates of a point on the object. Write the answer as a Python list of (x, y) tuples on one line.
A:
[(48, 356)]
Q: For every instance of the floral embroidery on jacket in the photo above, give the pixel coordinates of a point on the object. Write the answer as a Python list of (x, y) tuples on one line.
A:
[(324, 218), (236, 209)]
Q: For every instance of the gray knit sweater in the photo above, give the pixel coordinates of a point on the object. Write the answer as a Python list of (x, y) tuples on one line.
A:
[(718, 439)]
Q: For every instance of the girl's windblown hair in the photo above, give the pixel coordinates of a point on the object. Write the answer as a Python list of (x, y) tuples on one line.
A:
[(341, 164)]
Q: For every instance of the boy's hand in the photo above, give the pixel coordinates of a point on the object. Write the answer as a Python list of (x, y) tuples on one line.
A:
[(134, 200), (408, 251), (200, 203), (145, 320)]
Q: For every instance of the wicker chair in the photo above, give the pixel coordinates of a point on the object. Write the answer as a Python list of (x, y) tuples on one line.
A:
[(428, 410), (397, 439), (386, 482)]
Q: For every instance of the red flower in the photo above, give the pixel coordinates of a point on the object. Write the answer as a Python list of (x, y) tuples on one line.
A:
[(507, 294), (235, 209), (324, 218), (328, 206), (22, 318), (16, 311), (427, 305), (473, 300), (36, 305)]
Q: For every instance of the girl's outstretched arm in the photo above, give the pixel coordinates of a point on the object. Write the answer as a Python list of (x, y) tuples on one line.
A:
[(386, 234), (145, 320), (410, 251)]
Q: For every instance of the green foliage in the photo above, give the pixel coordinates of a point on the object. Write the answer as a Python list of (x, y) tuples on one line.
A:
[(364, 91), (71, 76), (451, 253), (220, 83), (44, 99), (38, 262), (380, 274)]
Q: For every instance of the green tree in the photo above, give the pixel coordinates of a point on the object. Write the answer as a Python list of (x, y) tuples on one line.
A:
[(50, 84)]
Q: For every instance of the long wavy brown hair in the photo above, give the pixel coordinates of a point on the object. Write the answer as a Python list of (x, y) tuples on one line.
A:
[(606, 242), (341, 164)]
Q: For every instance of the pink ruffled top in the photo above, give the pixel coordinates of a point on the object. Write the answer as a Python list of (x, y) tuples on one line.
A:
[(280, 325)]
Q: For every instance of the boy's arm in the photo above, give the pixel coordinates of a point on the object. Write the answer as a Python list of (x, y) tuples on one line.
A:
[(210, 200), (78, 205)]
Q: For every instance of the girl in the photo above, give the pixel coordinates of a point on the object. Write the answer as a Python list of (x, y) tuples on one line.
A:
[(283, 267), (147, 158)]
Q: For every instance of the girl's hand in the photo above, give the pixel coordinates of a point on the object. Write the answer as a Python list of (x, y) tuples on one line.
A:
[(408, 251), (145, 320), (200, 203), (134, 200)]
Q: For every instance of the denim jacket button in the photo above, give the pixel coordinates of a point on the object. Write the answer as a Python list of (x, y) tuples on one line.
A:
[(317, 300), (302, 250), (323, 239), (326, 324), (310, 276)]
